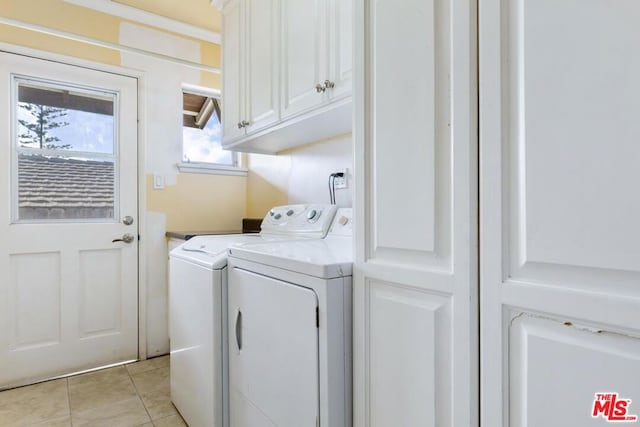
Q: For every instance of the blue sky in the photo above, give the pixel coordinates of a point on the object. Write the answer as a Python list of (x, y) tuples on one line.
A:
[(86, 131), (94, 133)]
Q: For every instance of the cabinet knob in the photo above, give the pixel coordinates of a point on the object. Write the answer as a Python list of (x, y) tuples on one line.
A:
[(240, 125), (327, 84), (245, 123)]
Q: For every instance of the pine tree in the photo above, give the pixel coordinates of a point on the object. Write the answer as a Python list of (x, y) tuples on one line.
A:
[(43, 120)]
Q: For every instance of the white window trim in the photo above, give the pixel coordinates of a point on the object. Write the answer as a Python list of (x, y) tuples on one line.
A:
[(209, 168)]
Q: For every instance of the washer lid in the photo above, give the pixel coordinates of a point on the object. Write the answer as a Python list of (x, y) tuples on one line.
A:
[(211, 251), (323, 258)]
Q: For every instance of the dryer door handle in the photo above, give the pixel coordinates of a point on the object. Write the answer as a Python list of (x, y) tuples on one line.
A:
[(239, 329)]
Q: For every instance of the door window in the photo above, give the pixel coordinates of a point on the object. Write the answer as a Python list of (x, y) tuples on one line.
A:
[(64, 152)]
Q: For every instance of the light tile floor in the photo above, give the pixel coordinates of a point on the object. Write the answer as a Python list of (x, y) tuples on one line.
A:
[(137, 394)]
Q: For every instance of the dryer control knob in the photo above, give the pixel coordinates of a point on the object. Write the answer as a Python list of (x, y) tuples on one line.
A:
[(278, 216), (290, 212), (271, 213), (312, 215)]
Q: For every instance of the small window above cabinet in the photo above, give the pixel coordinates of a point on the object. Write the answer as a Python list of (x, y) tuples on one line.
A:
[(286, 73)]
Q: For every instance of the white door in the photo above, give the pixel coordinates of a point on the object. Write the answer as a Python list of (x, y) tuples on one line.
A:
[(560, 212), (273, 353), (262, 63), (68, 294), (304, 54), (415, 287)]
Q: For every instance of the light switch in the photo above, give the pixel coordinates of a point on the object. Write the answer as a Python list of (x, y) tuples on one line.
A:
[(158, 182)]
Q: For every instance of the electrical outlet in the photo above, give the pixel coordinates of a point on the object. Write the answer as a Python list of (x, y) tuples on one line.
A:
[(341, 181)]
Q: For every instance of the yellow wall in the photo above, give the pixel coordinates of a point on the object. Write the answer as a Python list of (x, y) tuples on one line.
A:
[(194, 193), (200, 202)]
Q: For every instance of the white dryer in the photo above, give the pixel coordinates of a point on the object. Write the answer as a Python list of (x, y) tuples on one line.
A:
[(290, 331), (197, 309)]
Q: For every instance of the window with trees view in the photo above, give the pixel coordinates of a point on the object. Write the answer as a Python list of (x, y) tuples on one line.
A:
[(64, 152)]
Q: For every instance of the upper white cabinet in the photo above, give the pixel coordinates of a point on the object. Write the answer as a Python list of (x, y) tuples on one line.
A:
[(287, 70), (250, 80)]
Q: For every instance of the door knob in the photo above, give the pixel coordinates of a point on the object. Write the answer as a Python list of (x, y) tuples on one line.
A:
[(127, 238), (127, 220)]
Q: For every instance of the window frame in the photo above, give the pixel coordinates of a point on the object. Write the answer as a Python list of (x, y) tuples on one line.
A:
[(205, 167), (16, 150)]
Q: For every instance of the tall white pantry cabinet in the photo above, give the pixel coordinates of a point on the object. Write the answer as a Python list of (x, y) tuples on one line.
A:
[(497, 269), (415, 284)]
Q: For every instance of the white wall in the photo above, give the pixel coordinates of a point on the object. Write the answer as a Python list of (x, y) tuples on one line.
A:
[(299, 176), (161, 96)]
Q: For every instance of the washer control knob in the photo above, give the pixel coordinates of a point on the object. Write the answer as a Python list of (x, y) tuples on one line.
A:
[(271, 213), (290, 212), (278, 216), (313, 215)]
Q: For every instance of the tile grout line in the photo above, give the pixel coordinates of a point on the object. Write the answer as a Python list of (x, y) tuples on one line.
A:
[(144, 405), (69, 402)]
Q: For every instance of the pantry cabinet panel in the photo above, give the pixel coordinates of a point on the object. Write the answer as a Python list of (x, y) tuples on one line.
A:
[(303, 55), (558, 207)]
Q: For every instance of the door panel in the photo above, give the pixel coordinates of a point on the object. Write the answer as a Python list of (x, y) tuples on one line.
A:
[(70, 300), (414, 392), (303, 53), (560, 246), (415, 289), (273, 352), (263, 71), (549, 359), (341, 47), (232, 78)]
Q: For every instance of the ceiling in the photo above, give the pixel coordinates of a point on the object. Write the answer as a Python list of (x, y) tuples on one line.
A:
[(199, 13)]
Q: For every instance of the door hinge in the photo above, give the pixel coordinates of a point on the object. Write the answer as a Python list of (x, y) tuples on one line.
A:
[(317, 317)]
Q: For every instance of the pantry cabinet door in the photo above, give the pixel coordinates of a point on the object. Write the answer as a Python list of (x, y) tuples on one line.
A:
[(415, 284), (560, 209)]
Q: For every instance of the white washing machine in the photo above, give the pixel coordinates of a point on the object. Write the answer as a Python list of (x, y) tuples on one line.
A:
[(290, 331), (197, 309)]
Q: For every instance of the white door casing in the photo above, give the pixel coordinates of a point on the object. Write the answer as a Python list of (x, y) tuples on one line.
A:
[(69, 296), (559, 175), (415, 287)]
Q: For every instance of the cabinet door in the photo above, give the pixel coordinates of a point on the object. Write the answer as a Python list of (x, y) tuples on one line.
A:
[(559, 212), (340, 48), (415, 285), (304, 55), (232, 78), (273, 352), (262, 70)]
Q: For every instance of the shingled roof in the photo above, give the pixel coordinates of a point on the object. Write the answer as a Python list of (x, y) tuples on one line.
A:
[(45, 182)]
